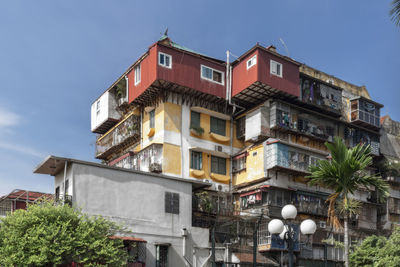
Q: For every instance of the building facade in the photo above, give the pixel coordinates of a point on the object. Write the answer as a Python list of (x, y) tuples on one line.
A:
[(249, 128)]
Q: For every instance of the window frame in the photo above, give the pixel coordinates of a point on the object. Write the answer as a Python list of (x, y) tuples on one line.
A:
[(212, 70), (219, 161), (171, 202), (138, 73), (164, 64), (253, 62), (98, 107), (216, 121), (165, 249), (191, 118), (152, 118), (276, 63), (199, 159)]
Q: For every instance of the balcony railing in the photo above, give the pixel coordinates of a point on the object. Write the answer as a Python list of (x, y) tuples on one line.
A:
[(365, 112), (124, 133)]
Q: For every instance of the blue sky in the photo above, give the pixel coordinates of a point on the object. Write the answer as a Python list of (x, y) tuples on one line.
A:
[(56, 57)]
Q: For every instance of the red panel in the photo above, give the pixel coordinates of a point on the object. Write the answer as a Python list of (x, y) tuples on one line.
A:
[(148, 75), (290, 81), (186, 72), (243, 78), (20, 205)]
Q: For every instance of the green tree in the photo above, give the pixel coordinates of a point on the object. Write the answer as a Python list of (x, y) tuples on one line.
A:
[(345, 174), (378, 251), (367, 253), (395, 12), (49, 235)]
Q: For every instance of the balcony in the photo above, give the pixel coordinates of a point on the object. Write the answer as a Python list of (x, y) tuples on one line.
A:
[(355, 136), (289, 159), (321, 96), (268, 242), (290, 119), (124, 133), (394, 205), (365, 112), (310, 203)]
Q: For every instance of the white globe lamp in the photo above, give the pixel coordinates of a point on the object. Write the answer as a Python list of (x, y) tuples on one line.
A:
[(308, 227), (289, 212), (275, 226)]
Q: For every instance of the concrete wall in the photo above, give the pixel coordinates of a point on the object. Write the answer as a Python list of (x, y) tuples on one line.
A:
[(137, 201)]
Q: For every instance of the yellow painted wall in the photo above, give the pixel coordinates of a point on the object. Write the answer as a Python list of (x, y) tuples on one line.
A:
[(172, 117), (171, 159), (205, 121), (159, 126), (206, 160), (254, 166)]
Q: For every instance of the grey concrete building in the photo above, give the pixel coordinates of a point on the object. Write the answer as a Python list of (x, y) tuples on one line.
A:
[(154, 208)]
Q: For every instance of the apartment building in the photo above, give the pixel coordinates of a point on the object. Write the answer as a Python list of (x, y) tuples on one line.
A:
[(250, 128)]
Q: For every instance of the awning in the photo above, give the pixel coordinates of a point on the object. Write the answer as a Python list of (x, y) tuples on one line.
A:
[(212, 152), (250, 193), (128, 238)]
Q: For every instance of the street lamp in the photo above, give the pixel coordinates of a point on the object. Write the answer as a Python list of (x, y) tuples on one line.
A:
[(286, 231)]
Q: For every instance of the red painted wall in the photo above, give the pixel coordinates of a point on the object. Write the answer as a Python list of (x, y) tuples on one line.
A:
[(186, 71), (148, 75), (20, 205), (242, 77)]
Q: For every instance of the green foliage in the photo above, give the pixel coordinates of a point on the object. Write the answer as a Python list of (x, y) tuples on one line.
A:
[(366, 254), (199, 130), (204, 201), (378, 251), (395, 12), (47, 235)]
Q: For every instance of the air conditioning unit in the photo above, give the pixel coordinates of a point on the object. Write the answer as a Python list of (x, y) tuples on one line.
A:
[(218, 148), (155, 167), (322, 224)]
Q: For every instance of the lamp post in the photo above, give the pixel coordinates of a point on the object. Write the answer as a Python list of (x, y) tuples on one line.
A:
[(286, 231)]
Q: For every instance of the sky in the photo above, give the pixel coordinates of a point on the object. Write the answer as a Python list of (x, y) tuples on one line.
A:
[(57, 57)]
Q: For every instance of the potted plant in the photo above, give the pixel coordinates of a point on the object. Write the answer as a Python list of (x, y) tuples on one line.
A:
[(197, 130)]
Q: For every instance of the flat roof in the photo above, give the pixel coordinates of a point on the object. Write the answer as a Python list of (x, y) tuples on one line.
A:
[(52, 165)]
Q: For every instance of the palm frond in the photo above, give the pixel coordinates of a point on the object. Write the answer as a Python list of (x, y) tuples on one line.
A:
[(395, 12), (333, 220)]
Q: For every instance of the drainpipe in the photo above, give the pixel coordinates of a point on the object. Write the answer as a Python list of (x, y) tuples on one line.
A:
[(229, 84)]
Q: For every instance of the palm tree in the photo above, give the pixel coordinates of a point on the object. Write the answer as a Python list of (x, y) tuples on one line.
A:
[(395, 12), (344, 175)]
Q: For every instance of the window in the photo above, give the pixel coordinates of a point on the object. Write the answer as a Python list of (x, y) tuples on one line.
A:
[(164, 60), (218, 165), (212, 75), (196, 160), (97, 107), (137, 74), (217, 126), (239, 164), (172, 203), (57, 192), (276, 68), (152, 115), (66, 187), (161, 256), (194, 119), (251, 62)]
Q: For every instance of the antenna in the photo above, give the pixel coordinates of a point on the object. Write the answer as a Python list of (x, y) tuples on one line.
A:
[(283, 43)]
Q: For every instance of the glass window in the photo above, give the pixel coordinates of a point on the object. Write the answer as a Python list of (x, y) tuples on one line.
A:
[(137, 74), (239, 164), (172, 203), (165, 60), (194, 119), (218, 165), (212, 75), (196, 160), (152, 115), (217, 126), (276, 68), (57, 192), (161, 256), (97, 107), (251, 62)]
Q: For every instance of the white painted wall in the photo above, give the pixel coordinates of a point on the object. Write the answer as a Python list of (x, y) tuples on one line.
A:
[(107, 110)]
